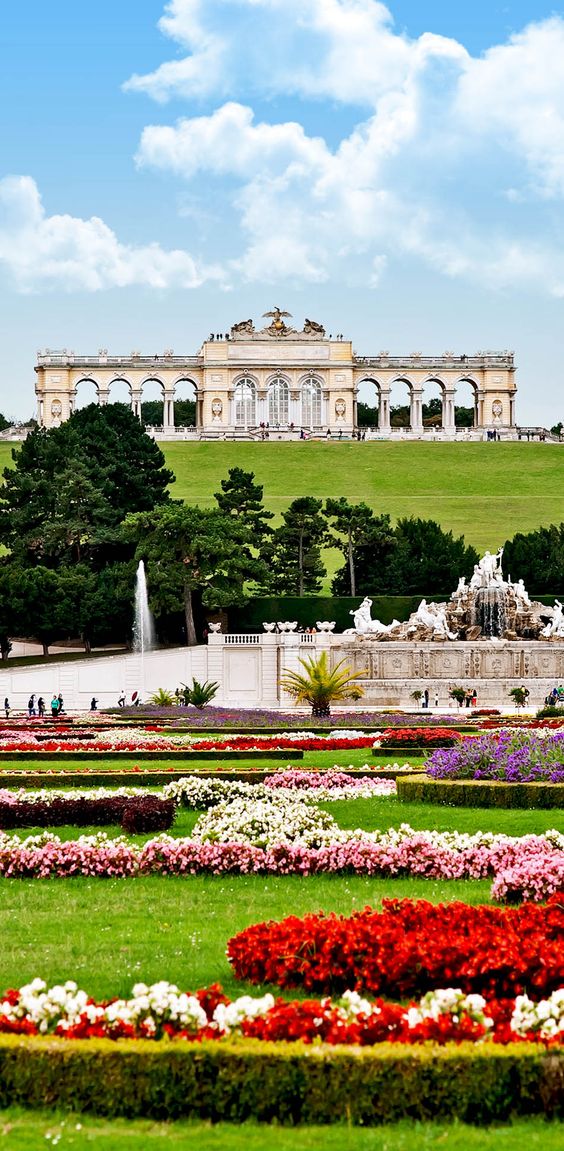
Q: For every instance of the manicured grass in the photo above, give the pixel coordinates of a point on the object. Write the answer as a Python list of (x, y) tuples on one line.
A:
[(372, 814), (320, 760), (108, 934), (25, 1131), (485, 492)]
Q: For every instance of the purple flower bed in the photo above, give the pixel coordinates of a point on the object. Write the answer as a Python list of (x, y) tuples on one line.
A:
[(218, 717), (510, 756)]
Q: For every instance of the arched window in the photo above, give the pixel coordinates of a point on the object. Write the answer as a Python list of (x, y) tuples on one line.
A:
[(278, 394), (245, 403), (311, 402)]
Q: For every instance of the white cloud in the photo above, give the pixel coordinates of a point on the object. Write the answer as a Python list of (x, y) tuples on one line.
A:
[(65, 252), (454, 161)]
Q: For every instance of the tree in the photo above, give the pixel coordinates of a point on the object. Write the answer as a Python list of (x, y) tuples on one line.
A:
[(191, 553), (319, 686), (361, 536), (426, 559), (242, 498), (537, 558), (72, 486), (4, 423), (293, 552)]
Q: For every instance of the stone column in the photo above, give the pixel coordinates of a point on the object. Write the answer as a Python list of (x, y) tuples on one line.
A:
[(168, 411), (384, 410), (416, 410), (136, 403), (480, 396), (103, 396), (449, 420)]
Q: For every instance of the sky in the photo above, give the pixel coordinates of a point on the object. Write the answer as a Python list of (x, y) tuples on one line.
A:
[(394, 171)]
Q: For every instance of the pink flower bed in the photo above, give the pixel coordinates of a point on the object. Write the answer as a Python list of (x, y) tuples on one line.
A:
[(530, 866)]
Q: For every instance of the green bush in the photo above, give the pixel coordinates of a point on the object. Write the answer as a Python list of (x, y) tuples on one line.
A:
[(285, 1083), (308, 609), (479, 793), (550, 712)]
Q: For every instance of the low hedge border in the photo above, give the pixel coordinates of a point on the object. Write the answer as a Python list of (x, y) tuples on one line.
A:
[(177, 756), (479, 793), (138, 814), (153, 778), (241, 1080)]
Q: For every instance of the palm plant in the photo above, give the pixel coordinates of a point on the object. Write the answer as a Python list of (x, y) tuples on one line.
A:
[(199, 694), (162, 698), (320, 686)]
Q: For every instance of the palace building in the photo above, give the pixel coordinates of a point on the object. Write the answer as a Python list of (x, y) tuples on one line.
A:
[(284, 380)]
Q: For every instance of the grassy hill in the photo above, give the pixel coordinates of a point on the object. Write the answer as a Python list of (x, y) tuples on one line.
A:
[(486, 491)]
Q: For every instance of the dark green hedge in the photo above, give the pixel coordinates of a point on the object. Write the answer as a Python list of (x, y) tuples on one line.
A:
[(283, 1083), (130, 778), (308, 609), (479, 793), (182, 756)]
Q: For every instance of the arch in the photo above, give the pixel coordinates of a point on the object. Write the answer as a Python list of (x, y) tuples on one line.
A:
[(245, 403), (368, 402), (89, 393), (116, 388), (185, 405), (401, 413), (434, 413), (151, 392), (311, 390), (278, 401), (466, 389)]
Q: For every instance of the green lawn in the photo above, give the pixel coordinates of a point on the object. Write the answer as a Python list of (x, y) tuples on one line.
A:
[(483, 491), (22, 1131), (321, 760)]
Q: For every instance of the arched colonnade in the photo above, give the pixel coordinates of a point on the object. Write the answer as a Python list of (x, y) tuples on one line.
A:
[(418, 394), (136, 389)]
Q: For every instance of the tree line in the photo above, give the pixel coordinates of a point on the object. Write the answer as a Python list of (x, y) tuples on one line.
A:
[(85, 502)]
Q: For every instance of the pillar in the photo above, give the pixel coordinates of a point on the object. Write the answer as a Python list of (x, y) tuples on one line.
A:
[(384, 410), (168, 411), (480, 396), (449, 419), (416, 410), (103, 396), (136, 403)]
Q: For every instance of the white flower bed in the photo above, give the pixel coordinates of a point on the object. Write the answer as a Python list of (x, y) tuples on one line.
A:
[(263, 822)]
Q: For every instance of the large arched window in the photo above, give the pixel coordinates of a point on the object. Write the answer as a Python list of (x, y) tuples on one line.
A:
[(311, 402), (278, 394), (245, 403)]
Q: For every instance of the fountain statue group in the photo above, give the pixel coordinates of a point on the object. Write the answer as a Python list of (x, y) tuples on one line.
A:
[(488, 607)]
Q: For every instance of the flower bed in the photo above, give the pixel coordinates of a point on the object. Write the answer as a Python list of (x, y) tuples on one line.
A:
[(140, 813), (417, 739), (201, 794), (254, 718), (511, 757), (409, 948), (163, 1011), (446, 855)]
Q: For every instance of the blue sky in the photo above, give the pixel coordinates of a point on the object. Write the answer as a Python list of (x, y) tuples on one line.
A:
[(394, 171)]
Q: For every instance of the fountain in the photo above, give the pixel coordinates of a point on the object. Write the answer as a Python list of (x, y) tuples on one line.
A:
[(143, 627)]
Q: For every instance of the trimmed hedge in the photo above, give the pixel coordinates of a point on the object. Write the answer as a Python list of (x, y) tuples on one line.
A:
[(137, 814), (288, 1083), (479, 793), (61, 756), (46, 779)]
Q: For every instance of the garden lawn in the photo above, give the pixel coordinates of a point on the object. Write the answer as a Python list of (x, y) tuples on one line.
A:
[(25, 1131), (515, 486), (319, 760), (109, 934)]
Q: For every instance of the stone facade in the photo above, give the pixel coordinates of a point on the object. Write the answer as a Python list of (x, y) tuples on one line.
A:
[(248, 380)]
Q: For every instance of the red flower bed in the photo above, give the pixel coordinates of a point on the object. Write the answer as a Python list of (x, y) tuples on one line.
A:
[(426, 737), (409, 948)]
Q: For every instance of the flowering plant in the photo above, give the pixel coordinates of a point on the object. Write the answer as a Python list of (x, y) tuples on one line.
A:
[(410, 947), (418, 737), (161, 1010), (512, 757)]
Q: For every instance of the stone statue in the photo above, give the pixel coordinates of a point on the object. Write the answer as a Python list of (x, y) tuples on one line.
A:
[(555, 629), (364, 624), (277, 327), (521, 593), (244, 326), (311, 327), (488, 570)]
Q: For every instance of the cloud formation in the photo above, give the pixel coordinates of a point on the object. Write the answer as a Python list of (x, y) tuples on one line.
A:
[(68, 253), (454, 160)]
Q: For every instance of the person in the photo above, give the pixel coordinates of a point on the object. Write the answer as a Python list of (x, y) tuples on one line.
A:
[(93, 704), (54, 707), (41, 707), (121, 700), (135, 699), (31, 706), (7, 707), (426, 697), (468, 698), (436, 699), (60, 699), (474, 699)]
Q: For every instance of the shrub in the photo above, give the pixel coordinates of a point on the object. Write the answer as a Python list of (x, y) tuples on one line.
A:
[(148, 813), (480, 793), (135, 813)]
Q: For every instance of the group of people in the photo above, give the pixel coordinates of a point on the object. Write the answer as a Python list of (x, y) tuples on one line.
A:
[(556, 696), (37, 706)]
